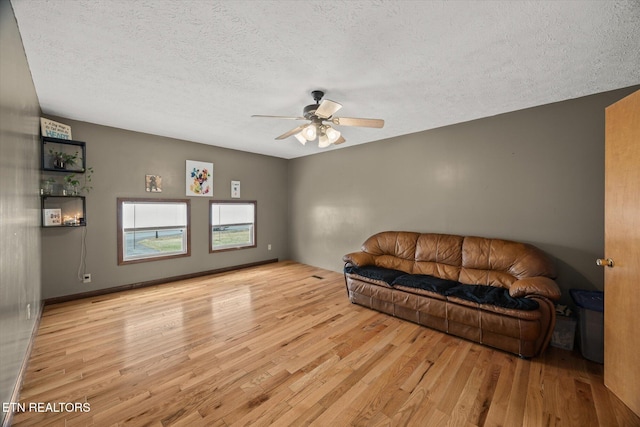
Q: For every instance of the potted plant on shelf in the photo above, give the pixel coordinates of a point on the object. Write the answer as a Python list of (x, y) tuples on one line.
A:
[(72, 184), (62, 160), (47, 186)]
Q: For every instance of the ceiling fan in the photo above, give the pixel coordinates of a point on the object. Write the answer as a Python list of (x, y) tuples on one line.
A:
[(318, 115)]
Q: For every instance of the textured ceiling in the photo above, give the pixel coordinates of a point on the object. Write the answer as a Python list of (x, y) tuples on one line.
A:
[(197, 70)]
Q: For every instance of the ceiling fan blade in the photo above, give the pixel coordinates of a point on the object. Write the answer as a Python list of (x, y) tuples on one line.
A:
[(339, 140), (291, 132), (279, 117), (352, 121), (327, 109)]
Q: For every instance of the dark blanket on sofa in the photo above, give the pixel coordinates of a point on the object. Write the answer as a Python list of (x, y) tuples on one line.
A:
[(375, 273), (426, 282), (491, 295), (477, 293)]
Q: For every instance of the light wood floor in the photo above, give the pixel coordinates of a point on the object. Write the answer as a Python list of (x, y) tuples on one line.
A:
[(281, 345)]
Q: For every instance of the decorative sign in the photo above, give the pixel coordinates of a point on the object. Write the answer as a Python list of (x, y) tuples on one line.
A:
[(153, 183), (199, 181), (52, 217), (235, 189), (54, 129)]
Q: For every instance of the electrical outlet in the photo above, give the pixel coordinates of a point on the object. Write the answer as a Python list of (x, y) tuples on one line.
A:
[(269, 247), (86, 278)]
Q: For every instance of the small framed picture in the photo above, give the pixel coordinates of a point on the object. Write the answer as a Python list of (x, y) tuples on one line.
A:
[(235, 189), (153, 183), (199, 181), (52, 217)]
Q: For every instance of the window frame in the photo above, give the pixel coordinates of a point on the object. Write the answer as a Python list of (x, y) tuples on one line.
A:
[(255, 224), (120, 230)]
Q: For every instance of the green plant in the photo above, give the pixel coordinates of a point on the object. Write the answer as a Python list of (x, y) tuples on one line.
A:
[(62, 160), (73, 180), (47, 186), (87, 179)]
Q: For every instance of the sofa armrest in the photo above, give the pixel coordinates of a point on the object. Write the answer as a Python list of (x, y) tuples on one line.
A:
[(542, 286), (359, 259)]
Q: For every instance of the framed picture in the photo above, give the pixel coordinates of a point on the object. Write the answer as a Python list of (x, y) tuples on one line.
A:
[(153, 183), (52, 217), (235, 189), (199, 178)]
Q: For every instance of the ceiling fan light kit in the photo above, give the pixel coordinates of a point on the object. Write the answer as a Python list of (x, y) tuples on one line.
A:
[(317, 114), (332, 134), (301, 138), (309, 132)]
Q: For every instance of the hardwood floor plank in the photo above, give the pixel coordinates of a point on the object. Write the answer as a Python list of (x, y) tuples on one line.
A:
[(280, 344), (382, 382), (534, 409), (467, 409), (518, 395), (458, 382), (604, 409), (497, 411), (419, 399), (341, 410)]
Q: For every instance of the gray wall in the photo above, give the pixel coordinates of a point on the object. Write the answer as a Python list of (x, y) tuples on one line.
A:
[(121, 159), (535, 175), (19, 203)]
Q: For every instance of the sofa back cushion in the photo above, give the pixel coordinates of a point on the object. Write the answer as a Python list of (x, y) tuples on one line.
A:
[(497, 262), (438, 255), (470, 260), (393, 249)]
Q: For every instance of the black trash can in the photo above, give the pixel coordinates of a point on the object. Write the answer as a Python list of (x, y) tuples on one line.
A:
[(591, 323)]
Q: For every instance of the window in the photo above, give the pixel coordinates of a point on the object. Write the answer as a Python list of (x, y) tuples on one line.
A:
[(233, 225), (152, 229)]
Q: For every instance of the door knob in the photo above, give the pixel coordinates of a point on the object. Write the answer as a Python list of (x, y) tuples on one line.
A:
[(604, 262)]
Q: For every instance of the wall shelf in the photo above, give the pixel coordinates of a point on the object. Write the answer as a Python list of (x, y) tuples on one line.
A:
[(63, 211), (60, 209), (63, 155)]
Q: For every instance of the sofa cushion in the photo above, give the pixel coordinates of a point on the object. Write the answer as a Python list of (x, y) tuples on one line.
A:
[(387, 275), (491, 295), (425, 282), (401, 244), (439, 248), (514, 260)]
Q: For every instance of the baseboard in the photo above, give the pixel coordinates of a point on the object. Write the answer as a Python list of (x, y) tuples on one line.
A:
[(15, 396), (100, 292)]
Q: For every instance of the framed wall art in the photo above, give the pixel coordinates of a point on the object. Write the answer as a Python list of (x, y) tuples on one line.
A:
[(235, 189), (153, 183), (51, 217), (199, 179)]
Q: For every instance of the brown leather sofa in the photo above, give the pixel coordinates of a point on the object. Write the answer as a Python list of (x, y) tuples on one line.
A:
[(494, 292)]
